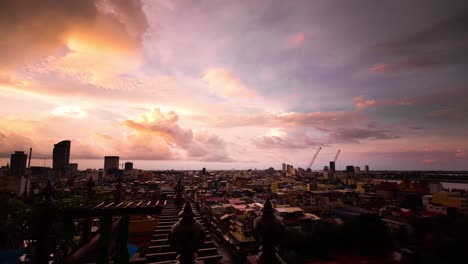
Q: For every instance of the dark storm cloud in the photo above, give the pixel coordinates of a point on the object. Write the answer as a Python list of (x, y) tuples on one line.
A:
[(289, 142), (356, 134), (443, 43)]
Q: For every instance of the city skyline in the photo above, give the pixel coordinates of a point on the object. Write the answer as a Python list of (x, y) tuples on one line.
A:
[(251, 85)]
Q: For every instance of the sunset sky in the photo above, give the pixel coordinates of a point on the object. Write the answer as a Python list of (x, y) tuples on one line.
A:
[(237, 84)]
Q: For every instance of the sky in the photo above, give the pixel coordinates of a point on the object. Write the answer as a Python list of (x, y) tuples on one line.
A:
[(237, 84)]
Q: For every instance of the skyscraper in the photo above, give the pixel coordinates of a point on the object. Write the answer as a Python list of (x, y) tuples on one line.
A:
[(128, 166), (18, 164), (61, 157), (357, 169), (332, 166), (366, 169), (283, 167), (18, 170), (111, 164)]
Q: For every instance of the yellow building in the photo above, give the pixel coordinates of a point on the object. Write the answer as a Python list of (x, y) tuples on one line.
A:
[(452, 200)]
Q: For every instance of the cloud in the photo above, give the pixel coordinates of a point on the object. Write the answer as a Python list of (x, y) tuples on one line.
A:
[(460, 153), (318, 119), (279, 120), (356, 134), (431, 161), (297, 141), (72, 111), (225, 83), (362, 102), (402, 101), (446, 113), (382, 68), (297, 39), (441, 44), (32, 31), (10, 142), (198, 145)]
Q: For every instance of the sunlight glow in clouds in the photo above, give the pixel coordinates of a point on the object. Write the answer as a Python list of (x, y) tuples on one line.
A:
[(69, 111), (226, 83)]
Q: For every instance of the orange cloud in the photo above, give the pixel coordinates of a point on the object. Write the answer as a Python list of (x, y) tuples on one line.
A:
[(226, 83), (362, 102), (198, 145), (36, 31)]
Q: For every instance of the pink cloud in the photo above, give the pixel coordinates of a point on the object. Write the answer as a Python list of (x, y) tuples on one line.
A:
[(460, 153), (227, 84), (362, 102), (431, 161), (297, 39), (163, 128), (381, 68)]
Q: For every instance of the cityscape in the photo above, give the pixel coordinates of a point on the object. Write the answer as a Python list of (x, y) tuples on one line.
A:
[(171, 131)]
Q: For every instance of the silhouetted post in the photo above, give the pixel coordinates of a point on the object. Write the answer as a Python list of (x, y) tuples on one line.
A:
[(86, 223), (90, 185), (187, 236), (179, 190), (118, 192), (48, 192), (104, 240), (42, 233), (122, 256), (268, 230)]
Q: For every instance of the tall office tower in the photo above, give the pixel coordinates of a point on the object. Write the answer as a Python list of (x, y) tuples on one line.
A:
[(366, 169), (18, 164), (332, 166), (111, 164), (128, 166), (288, 167), (284, 167), (357, 169), (18, 170), (61, 157), (350, 169)]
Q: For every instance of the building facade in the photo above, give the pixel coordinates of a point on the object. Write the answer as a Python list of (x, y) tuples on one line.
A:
[(18, 164), (111, 163), (61, 157)]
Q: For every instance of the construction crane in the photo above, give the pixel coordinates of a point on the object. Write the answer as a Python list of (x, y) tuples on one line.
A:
[(313, 159), (336, 156)]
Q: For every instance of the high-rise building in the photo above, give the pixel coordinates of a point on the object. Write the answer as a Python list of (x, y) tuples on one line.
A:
[(18, 164), (111, 163), (61, 157), (350, 169), (18, 170), (357, 169), (332, 166), (366, 169), (128, 166), (284, 167)]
